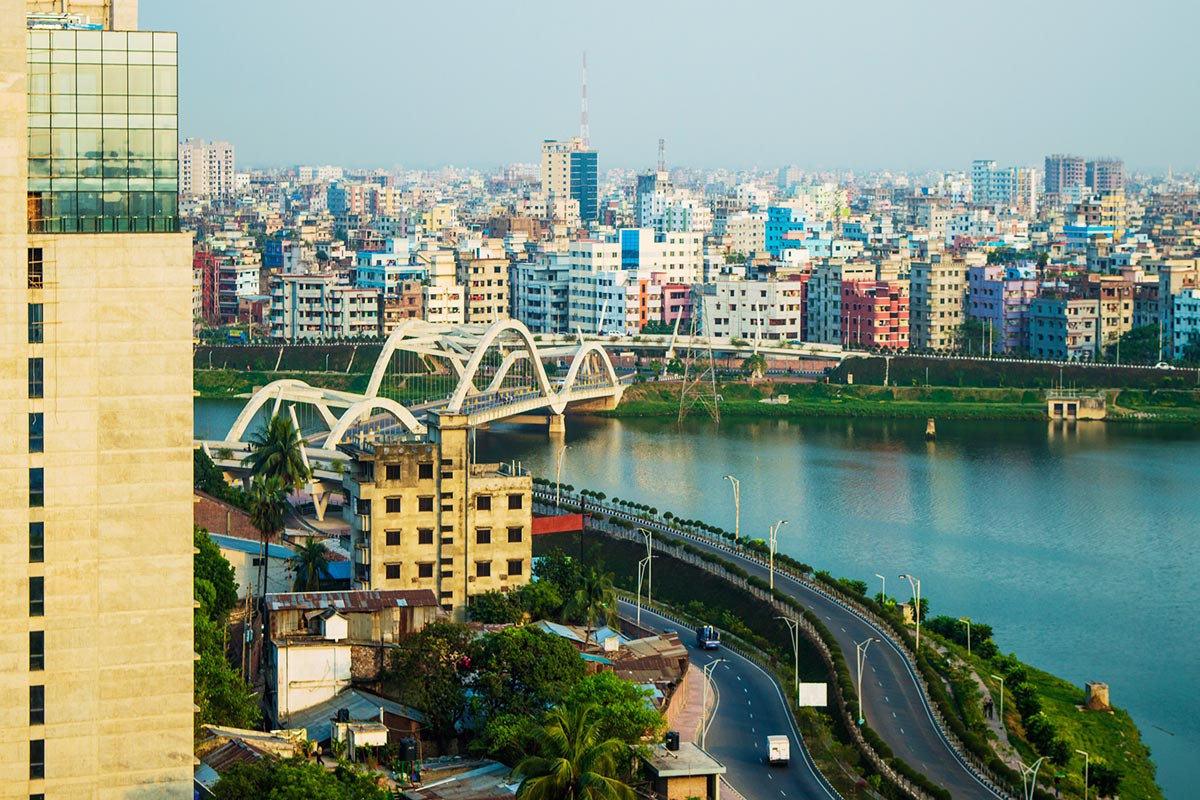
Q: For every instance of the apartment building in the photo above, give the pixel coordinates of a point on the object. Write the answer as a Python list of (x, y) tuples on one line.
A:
[(938, 295), (1186, 329), (570, 171), (206, 169), (999, 296), (823, 298), (1064, 329), (753, 310), (483, 273), (875, 314), (423, 516), (320, 306), (540, 293), (95, 341)]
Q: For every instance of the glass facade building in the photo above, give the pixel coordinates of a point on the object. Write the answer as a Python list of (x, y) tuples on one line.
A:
[(103, 131), (584, 174)]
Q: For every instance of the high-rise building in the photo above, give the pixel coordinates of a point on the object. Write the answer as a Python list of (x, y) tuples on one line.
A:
[(1106, 176), (205, 169), (96, 516), (570, 171), (1066, 176)]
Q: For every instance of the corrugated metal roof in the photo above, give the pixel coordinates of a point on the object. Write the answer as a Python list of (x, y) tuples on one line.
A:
[(372, 600), (486, 783), (363, 706), (250, 546)]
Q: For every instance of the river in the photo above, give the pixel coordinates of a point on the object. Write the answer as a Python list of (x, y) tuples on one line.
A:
[(1078, 544)]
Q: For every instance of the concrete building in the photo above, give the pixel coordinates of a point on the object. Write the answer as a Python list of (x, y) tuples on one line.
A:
[(95, 341), (1066, 176), (540, 294), (483, 273), (206, 169), (823, 298), (570, 171), (316, 306), (424, 517), (875, 314), (753, 310), (747, 232), (999, 297), (1106, 176), (939, 289), (1186, 316), (1064, 329)]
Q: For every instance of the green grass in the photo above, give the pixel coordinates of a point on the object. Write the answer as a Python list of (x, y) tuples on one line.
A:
[(231, 383)]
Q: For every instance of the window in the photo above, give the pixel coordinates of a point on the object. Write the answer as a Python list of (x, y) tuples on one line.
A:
[(393, 538), (393, 472), (514, 501), (37, 705), (425, 471), (35, 323), (425, 503), (483, 536), (37, 596), (425, 536), (391, 572), (37, 759), (37, 542), (37, 426), (425, 570), (36, 377), (37, 651), (362, 506), (392, 505), (483, 569), (514, 534), (514, 566), (447, 573), (34, 267), (37, 487), (483, 502)]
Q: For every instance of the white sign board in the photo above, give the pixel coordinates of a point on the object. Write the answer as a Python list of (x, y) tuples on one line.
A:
[(814, 694)]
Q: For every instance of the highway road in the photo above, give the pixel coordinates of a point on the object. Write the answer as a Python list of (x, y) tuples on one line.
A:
[(748, 706), (893, 703)]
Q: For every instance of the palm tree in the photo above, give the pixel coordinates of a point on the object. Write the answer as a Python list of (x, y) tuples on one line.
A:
[(573, 763), (310, 563), (267, 500), (594, 600), (277, 452)]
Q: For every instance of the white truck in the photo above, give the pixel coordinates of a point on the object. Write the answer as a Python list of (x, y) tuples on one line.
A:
[(778, 750)]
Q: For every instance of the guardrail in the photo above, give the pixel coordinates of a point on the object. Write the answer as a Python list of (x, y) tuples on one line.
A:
[(969, 760)]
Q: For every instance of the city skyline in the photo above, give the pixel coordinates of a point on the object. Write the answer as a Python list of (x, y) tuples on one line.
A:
[(922, 88)]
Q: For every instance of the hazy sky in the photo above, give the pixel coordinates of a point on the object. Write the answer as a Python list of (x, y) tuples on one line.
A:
[(867, 84)]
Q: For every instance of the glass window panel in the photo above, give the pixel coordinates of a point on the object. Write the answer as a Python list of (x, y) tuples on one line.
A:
[(89, 184), (62, 103), (114, 168), (87, 103), (138, 57), (165, 204), (62, 78), (165, 105), (114, 56), (37, 541), (37, 584), (63, 121), (166, 185), (39, 142), (115, 121), (141, 184), (62, 168), (39, 120), (116, 143), (88, 40), (141, 144), (39, 57), (166, 58), (37, 650), (39, 83), (62, 56), (141, 105), (164, 168), (116, 104), (141, 169), (89, 167), (141, 40), (40, 184), (39, 104), (166, 122), (141, 120), (87, 78), (35, 378), (164, 40), (115, 40), (39, 168), (141, 79), (166, 144), (116, 79), (62, 40), (141, 204), (62, 143), (165, 80), (88, 143), (114, 186), (89, 121), (39, 40), (36, 336), (88, 56), (63, 184)]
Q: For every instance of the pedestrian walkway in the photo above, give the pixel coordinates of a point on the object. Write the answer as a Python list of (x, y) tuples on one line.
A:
[(684, 713), (1002, 745)]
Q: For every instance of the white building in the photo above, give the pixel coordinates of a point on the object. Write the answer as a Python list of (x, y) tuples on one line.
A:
[(206, 169), (747, 232), (539, 293), (754, 310), (319, 306), (385, 271)]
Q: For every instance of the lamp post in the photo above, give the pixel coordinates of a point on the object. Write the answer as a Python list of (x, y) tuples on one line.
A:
[(794, 628), (649, 564), (916, 587), (773, 539), (1001, 679), (707, 670), (737, 504), (645, 562), (967, 621), (862, 660), (1086, 759), (882, 591), (558, 473), (1029, 777)]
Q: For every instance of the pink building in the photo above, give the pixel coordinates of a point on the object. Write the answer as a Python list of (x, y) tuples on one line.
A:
[(875, 314), (677, 304)]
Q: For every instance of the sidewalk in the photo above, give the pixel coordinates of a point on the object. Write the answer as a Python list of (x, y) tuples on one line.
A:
[(684, 714)]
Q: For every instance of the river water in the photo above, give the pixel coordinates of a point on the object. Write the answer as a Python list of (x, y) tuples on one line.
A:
[(1077, 544)]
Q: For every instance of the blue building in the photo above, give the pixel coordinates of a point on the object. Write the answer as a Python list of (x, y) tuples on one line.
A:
[(782, 220), (584, 183)]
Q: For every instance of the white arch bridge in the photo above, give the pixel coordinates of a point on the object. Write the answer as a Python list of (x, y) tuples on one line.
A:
[(487, 373)]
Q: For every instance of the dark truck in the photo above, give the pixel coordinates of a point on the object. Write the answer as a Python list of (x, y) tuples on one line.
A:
[(708, 637)]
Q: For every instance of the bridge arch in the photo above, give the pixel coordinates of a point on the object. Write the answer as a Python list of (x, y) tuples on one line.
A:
[(467, 380), (408, 329), (279, 391), (364, 408)]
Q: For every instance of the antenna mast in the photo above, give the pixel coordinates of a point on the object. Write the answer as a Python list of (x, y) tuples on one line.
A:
[(584, 133)]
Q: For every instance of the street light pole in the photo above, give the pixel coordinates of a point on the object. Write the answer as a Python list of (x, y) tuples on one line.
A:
[(707, 670), (1029, 777), (967, 620), (1086, 759), (1001, 679), (862, 660), (641, 569), (558, 474), (794, 628), (737, 504), (916, 587), (883, 591), (649, 563), (773, 539)]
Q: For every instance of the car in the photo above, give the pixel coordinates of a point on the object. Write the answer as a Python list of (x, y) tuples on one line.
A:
[(1162, 365)]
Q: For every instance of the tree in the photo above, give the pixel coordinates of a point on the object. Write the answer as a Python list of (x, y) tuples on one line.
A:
[(539, 599), (295, 779), (561, 571), (430, 673), (210, 566), (524, 671), (622, 711), (1105, 777), (494, 607), (208, 478), (595, 600), (574, 762), (222, 696), (755, 366), (277, 453), (1137, 346), (310, 563), (267, 501)]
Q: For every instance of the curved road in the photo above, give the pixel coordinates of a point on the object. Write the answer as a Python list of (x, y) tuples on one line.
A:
[(893, 703), (748, 706)]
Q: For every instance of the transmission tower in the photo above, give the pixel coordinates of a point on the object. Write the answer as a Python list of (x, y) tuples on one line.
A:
[(584, 133), (699, 386)]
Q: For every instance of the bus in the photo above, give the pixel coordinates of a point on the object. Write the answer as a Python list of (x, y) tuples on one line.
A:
[(708, 637)]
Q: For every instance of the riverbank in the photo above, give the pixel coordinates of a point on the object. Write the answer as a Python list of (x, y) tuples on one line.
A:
[(765, 399)]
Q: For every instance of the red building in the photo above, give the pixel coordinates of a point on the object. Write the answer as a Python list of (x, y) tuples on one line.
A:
[(677, 304), (209, 265), (875, 314)]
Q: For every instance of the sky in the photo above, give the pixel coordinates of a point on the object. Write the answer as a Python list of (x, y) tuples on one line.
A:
[(870, 84)]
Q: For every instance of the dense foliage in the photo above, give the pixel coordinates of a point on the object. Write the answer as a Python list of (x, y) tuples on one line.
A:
[(294, 779)]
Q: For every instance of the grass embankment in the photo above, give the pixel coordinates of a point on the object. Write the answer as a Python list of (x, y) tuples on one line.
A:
[(231, 382), (830, 400)]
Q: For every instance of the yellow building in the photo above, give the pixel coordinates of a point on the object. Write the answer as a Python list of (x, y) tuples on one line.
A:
[(423, 517), (96, 410)]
